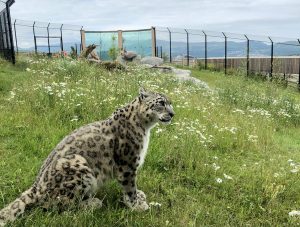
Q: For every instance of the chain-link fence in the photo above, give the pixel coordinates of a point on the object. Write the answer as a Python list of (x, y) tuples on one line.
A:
[(43, 37), (206, 49), (227, 51)]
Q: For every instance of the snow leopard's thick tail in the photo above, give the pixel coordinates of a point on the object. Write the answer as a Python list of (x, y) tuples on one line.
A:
[(17, 207)]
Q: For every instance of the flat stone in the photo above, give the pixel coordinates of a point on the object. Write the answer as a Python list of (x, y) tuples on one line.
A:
[(185, 75), (154, 61)]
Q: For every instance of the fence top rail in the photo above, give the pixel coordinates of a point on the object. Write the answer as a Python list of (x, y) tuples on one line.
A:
[(39, 24), (234, 36), (116, 31)]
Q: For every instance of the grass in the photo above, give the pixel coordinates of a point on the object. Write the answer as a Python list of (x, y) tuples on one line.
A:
[(230, 157)]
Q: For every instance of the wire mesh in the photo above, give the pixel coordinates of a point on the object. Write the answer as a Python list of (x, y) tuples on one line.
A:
[(225, 50), (32, 36)]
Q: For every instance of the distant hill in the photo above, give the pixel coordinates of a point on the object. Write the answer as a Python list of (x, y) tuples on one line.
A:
[(54, 48), (234, 49), (215, 49)]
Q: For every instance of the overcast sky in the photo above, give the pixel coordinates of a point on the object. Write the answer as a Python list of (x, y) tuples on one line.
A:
[(265, 17)]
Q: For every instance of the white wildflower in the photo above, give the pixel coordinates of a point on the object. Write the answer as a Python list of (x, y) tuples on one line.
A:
[(155, 204), (201, 135), (219, 180), (75, 118), (283, 113), (233, 130), (48, 89), (158, 130), (295, 170), (294, 213), (12, 95), (215, 166), (238, 111), (227, 177), (252, 138)]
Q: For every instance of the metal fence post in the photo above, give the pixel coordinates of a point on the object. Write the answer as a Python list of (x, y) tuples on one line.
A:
[(16, 39), (11, 40), (272, 55), (205, 50), (6, 35), (6, 32), (153, 38), (1, 33), (225, 51), (248, 54), (161, 52), (156, 51), (187, 48), (61, 38), (299, 68), (34, 37), (81, 37), (170, 40), (49, 51)]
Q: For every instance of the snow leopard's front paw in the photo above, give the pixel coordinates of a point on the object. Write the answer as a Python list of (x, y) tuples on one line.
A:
[(141, 206), (140, 195), (139, 203)]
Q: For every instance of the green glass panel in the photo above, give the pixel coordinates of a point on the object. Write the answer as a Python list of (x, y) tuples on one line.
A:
[(104, 42), (138, 41)]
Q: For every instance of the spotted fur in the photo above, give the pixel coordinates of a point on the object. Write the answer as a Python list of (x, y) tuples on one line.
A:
[(89, 156)]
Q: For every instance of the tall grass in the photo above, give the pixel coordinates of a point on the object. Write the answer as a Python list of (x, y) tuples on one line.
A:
[(230, 157)]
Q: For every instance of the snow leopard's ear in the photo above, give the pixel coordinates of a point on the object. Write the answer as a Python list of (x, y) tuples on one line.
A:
[(143, 93)]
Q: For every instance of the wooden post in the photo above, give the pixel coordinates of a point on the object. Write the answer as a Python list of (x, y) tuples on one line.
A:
[(83, 44), (120, 40), (153, 41)]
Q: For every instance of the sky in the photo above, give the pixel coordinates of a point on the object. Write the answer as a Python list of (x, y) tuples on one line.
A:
[(260, 17)]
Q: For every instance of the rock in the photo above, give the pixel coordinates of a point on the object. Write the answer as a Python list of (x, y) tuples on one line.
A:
[(137, 59), (128, 55), (154, 61), (185, 75), (163, 69), (181, 74), (146, 66)]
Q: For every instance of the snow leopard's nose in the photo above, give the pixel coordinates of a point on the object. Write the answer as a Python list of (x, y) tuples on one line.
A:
[(170, 111), (172, 114)]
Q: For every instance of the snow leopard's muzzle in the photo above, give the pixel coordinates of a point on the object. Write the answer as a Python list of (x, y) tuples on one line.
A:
[(167, 115)]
